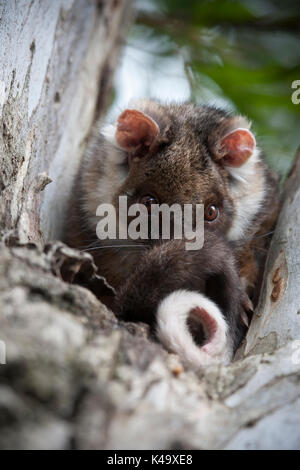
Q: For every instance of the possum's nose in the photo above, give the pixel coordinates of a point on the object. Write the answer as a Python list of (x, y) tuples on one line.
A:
[(191, 325)]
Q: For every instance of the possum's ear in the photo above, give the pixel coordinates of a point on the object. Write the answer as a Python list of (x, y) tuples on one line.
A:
[(233, 143), (136, 131)]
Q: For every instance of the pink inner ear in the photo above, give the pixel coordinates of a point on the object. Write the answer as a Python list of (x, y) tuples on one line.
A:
[(135, 129), (237, 147)]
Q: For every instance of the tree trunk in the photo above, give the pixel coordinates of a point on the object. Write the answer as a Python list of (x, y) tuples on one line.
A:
[(71, 375), (57, 59)]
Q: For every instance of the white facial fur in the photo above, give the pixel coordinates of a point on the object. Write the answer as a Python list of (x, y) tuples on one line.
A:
[(248, 191), (109, 133)]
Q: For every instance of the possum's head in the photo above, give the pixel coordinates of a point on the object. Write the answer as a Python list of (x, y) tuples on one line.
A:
[(188, 154)]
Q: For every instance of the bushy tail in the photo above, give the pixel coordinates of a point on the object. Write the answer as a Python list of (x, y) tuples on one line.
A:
[(175, 312)]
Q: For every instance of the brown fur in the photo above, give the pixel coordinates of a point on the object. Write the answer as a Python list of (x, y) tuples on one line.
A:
[(183, 165), (168, 267)]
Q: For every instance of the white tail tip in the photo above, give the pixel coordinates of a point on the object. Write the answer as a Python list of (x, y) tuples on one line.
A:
[(173, 314)]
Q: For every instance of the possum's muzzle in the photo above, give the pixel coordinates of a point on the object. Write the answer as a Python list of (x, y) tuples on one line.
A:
[(191, 325)]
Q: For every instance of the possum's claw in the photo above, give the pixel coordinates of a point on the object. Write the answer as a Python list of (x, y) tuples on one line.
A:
[(247, 312)]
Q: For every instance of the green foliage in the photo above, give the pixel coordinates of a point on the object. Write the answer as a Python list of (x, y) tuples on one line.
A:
[(245, 53)]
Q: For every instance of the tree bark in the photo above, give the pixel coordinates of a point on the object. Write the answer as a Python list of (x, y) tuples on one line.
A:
[(71, 374), (57, 59), (277, 319)]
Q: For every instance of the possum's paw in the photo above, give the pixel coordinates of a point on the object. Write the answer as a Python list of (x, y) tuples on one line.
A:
[(191, 325)]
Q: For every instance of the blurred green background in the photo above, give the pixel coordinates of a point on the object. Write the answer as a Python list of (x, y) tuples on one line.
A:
[(242, 55)]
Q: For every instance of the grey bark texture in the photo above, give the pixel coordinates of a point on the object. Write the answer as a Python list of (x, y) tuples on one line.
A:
[(57, 59), (71, 374)]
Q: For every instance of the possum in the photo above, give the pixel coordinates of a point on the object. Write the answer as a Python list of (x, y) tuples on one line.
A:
[(195, 301), (197, 297)]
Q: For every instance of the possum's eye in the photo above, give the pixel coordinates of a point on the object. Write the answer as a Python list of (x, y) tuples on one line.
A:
[(148, 200), (211, 213)]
